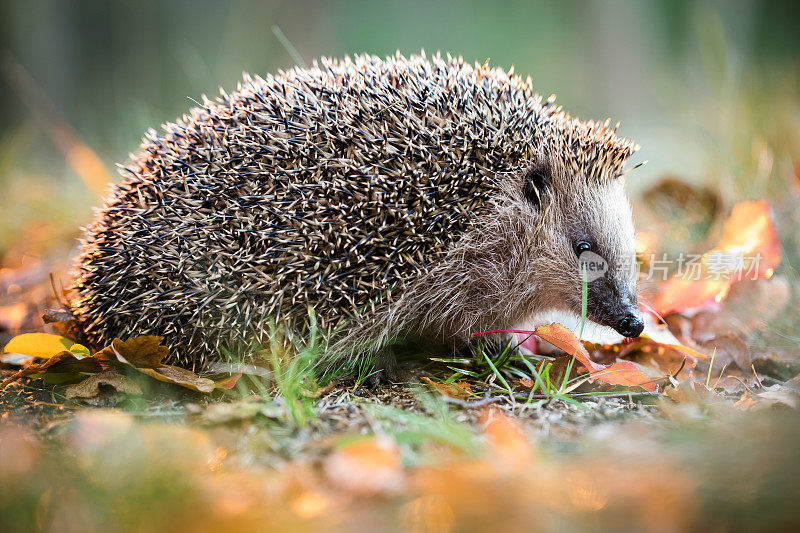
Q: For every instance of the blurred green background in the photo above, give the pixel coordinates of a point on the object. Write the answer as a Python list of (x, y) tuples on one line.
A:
[(699, 85)]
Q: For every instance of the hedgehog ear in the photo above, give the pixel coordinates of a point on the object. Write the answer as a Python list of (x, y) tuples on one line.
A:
[(536, 179)]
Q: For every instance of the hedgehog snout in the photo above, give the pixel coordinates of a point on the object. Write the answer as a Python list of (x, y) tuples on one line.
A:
[(615, 306), (631, 325)]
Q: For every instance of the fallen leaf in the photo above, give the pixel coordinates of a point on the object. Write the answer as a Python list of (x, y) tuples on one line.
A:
[(366, 467), (563, 339), (620, 373), (92, 387), (145, 351), (506, 439), (41, 345), (559, 366), (746, 402), (458, 390), (245, 409), (65, 322), (525, 383), (779, 395), (142, 353), (730, 348), (779, 364), (179, 376), (749, 249), (228, 383), (63, 362), (690, 391), (769, 397)]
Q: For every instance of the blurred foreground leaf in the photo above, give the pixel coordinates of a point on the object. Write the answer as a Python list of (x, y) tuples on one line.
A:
[(749, 249)]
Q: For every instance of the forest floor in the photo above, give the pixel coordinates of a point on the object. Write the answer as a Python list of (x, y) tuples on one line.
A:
[(694, 427)]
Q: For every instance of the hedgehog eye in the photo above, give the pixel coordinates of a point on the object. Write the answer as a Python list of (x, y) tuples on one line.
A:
[(582, 246), (534, 183)]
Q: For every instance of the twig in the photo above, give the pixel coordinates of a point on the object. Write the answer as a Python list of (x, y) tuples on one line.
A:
[(469, 405)]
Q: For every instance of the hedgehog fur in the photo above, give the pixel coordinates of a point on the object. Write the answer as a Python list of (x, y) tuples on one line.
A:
[(407, 197)]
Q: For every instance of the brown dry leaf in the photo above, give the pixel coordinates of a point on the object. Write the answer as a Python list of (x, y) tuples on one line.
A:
[(559, 367), (145, 354), (61, 363), (730, 348), (746, 402), (794, 383), (244, 409), (692, 392), (92, 386), (179, 376), (366, 467), (145, 351), (142, 353), (687, 391), (525, 383), (779, 395), (327, 388), (775, 395), (65, 322), (458, 390), (749, 304)]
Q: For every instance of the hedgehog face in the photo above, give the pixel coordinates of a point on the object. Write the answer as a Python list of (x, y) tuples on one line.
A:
[(593, 232)]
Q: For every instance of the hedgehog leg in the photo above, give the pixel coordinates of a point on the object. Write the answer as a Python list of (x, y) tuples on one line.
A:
[(386, 367)]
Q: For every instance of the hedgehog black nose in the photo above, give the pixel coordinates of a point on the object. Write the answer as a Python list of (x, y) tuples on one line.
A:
[(631, 326)]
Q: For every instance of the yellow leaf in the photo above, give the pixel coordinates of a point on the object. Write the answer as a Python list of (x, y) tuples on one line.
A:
[(80, 349), (42, 345)]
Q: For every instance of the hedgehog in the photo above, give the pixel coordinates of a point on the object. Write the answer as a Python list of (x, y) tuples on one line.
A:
[(376, 201)]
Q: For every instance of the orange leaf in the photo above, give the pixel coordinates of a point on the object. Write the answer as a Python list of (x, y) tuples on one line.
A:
[(458, 391), (507, 438), (563, 339), (624, 373), (228, 383), (366, 466), (620, 373), (749, 249), (751, 230)]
